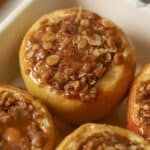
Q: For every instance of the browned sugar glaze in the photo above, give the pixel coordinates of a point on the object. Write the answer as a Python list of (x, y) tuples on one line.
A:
[(19, 127), (109, 141), (143, 99), (72, 53)]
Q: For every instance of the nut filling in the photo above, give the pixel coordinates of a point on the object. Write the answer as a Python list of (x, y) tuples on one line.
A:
[(20, 123), (109, 141), (143, 99), (71, 53)]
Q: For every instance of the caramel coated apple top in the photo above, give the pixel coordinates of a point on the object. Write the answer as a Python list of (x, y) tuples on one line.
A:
[(72, 52)]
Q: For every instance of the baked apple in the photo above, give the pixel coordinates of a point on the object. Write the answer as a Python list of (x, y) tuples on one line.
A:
[(103, 137), (78, 62), (138, 113), (25, 123)]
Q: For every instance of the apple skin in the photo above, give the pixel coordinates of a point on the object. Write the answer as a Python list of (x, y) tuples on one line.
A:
[(133, 119)]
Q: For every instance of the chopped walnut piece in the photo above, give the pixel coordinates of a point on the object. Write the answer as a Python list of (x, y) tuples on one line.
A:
[(45, 21), (145, 107), (73, 84), (82, 74), (100, 51), (35, 47), (96, 53), (84, 23), (108, 57), (52, 60), (37, 36), (4, 95), (47, 45), (92, 82), (87, 67), (29, 54), (49, 37), (107, 23), (95, 40)]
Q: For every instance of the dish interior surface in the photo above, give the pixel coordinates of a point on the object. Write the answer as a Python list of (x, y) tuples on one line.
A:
[(139, 35)]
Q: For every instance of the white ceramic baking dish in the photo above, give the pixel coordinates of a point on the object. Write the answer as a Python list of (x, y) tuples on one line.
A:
[(132, 18)]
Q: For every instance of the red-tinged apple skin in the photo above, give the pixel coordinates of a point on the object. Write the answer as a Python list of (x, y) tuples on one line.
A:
[(131, 124), (133, 119)]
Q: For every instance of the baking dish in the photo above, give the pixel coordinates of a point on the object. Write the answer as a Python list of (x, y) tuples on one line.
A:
[(132, 19)]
